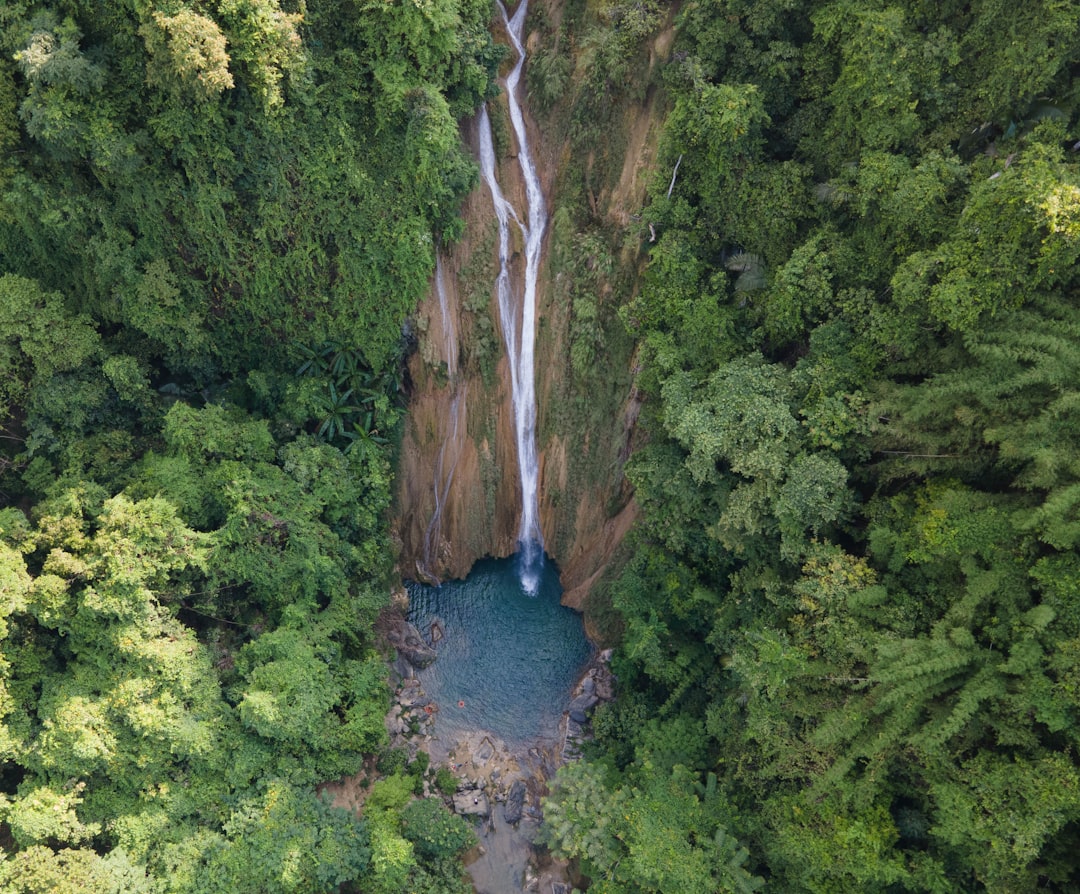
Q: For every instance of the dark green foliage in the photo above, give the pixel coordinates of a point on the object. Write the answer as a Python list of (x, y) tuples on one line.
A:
[(654, 833), (851, 611), (392, 761), (238, 195), (445, 781), (851, 617), (435, 833)]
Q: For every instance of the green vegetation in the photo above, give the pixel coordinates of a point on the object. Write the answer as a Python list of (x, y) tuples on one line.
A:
[(849, 619), (214, 219), (851, 614)]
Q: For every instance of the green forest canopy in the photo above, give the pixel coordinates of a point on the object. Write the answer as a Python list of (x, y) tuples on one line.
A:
[(214, 220), (850, 620)]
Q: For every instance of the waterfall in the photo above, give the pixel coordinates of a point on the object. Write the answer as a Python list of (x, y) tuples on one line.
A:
[(446, 462), (449, 330), (517, 312)]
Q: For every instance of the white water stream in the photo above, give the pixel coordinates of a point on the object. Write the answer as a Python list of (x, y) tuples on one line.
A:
[(517, 311)]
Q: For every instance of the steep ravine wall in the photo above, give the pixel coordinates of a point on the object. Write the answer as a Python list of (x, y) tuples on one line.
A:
[(586, 418)]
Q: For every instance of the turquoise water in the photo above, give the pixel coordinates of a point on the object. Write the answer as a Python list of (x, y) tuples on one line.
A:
[(510, 657)]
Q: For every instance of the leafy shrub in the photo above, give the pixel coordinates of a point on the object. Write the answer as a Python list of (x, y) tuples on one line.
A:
[(391, 761), (436, 833), (445, 781)]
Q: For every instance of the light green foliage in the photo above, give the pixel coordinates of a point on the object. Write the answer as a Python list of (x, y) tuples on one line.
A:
[(214, 432), (188, 193), (1002, 811), (42, 814), (800, 292), (239, 181), (1009, 60), (749, 41), (37, 338), (885, 71), (725, 126), (285, 840), (649, 838), (60, 78), (131, 738), (263, 40), (832, 846), (740, 426), (38, 869), (1014, 238), (851, 632), (292, 696), (741, 418), (288, 689), (155, 304), (392, 856), (187, 52), (577, 819)]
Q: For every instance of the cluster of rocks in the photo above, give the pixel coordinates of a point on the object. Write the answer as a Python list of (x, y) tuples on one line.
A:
[(411, 717), (408, 642), (490, 774), (597, 685), (493, 787)]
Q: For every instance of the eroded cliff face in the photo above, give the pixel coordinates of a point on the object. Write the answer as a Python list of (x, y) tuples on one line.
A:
[(458, 492)]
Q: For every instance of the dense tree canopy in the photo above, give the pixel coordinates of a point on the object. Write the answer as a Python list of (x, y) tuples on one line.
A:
[(214, 219), (849, 623), (851, 607)]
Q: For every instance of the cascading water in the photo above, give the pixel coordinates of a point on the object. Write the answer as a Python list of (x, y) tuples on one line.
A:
[(517, 312), (449, 330), (446, 462)]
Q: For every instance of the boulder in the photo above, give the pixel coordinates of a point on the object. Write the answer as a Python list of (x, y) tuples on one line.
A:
[(409, 644), (515, 802), (471, 803), (604, 684), (483, 753), (584, 702)]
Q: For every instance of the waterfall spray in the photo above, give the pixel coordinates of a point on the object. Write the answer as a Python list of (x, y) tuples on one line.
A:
[(517, 312)]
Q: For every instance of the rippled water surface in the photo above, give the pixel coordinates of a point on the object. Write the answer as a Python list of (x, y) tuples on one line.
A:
[(510, 657)]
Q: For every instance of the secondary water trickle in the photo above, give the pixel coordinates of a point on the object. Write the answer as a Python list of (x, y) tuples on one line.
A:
[(517, 301), (508, 658)]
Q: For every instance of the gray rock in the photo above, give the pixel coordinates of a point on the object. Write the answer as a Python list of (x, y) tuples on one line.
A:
[(605, 684), (409, 644), (472, 803), (484, 752), (588, 686), (515, 802), (578, 716), (584, 702)]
